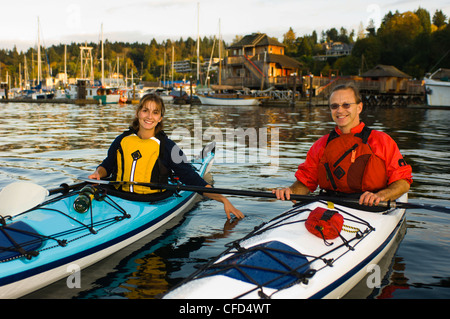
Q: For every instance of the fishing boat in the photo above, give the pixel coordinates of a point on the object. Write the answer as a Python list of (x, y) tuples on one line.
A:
[(103, 95), (284, 259), (437, 88), (229, 99), (106, 95), (44, 235)]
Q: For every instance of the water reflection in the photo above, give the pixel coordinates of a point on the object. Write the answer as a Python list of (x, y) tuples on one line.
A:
[(52, 144)]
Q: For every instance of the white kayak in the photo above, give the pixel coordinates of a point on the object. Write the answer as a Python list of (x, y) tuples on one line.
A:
[(281, 259)]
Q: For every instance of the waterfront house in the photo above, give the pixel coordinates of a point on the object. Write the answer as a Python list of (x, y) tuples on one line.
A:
[(258, 61), (334, 50), (389, 79), (338, 49)]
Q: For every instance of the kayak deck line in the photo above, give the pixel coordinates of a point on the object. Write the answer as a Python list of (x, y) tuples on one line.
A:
[(299, 273), (323, 293), (19, 248), (282, 259)]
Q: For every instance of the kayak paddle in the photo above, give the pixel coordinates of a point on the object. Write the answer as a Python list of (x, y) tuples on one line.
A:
[(19, 197), (224, 191)]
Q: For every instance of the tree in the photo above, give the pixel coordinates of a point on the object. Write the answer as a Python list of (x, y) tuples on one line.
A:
[(369, 49), (405, 24), (332, 35), (304, 47), (314, 37), (371, 28), (343, 36), (289, 41), (348, 65), (397, 36), (425, 20), (439, 18), (361, 34)]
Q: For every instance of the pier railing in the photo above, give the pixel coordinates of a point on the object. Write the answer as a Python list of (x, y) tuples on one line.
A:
[(322, 86), (286, 82), (382, 86)]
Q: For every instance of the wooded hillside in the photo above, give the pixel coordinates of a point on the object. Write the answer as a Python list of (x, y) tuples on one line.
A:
[(414, 42)]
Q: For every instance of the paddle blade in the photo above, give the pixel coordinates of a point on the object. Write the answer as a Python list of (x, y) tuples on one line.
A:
[(19, 197)]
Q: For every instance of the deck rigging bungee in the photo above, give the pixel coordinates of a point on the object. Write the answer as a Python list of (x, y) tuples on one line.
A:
[(274, 264), (21, 240), (18, 239)]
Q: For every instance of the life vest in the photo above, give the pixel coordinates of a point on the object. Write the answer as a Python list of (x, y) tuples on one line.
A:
[(139, 160), (348, 164)]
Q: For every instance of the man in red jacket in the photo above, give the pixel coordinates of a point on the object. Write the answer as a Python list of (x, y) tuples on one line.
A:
[(352, 158)]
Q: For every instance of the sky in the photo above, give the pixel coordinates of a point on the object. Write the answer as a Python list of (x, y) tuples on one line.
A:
[(140, 21)]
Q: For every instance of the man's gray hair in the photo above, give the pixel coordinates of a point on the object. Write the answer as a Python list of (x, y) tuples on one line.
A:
[(348, 86)]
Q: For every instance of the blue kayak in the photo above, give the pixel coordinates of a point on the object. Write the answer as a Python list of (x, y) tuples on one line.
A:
[(45, 243)]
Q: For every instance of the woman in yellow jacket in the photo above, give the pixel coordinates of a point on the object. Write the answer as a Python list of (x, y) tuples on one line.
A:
[(144, 154)]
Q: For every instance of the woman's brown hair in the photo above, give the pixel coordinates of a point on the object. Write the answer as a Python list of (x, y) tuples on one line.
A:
[(144, 100)]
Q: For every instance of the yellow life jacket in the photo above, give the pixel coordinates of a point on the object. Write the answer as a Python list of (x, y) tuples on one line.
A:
[(137, 162)]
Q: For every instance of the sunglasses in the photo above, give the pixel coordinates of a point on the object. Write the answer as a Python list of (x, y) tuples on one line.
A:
[(335, 106)]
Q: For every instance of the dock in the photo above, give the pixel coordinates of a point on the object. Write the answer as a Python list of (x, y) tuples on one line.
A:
[(392, 101), (60, 101)]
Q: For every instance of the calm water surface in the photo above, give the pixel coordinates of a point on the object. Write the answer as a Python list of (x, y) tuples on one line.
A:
[(50, 144)]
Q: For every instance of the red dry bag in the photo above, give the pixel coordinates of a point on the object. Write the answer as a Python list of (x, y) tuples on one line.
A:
[(324, 223)]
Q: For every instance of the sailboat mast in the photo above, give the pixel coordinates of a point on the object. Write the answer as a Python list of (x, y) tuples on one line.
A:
[(25, 72), (39, 75), (65, 65), (20, 76), (220, 56), (103, 62), (164, 75), (173, 56), (118, 71), (198, 42)]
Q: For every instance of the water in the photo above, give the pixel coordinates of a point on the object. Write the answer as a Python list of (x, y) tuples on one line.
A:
[(51, 144)]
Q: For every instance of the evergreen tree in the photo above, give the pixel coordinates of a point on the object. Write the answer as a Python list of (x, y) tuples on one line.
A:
[(439, 18)]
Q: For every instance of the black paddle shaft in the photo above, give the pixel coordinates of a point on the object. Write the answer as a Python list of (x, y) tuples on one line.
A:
[(225, 191)]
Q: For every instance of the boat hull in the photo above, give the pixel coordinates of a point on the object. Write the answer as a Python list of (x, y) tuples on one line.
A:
[(166, 98), (321, 271), (438, 93), (210, 100), (111, 232), (107, 99)]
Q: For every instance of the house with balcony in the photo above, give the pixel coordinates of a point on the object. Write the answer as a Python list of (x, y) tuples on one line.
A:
[(257, 62), (334, 50)]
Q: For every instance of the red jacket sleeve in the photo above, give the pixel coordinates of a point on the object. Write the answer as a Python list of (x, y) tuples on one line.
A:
[(307, 172)]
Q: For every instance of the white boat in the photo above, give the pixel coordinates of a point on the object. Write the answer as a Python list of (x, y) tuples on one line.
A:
[(102, 95), (166, 97), (227, 99), (135, 94), (437, 87), (60, 94), (42, 95), (282, 259)]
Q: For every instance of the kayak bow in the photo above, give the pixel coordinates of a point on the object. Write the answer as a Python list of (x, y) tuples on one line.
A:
[(39, 246), (282, 259)]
